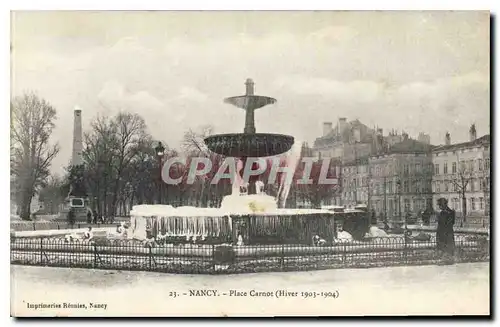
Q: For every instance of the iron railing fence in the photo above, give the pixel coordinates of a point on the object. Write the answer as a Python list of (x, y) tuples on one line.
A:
[(217, 258), (54, 225)]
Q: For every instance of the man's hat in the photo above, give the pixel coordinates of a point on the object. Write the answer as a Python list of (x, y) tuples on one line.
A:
[(442, 201)]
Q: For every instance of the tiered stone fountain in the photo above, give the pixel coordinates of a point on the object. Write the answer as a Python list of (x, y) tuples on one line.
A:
[(254, 216), (249, 144)]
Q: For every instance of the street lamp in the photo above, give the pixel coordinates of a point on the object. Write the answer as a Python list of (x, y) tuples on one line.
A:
[(160, 152)]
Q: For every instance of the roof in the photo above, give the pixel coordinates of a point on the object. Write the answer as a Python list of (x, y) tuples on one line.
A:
[(334, 135), (358, 161), (483, 140), (410, 146)]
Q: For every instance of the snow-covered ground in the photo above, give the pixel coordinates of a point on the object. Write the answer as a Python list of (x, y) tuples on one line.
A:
[(455, 289)]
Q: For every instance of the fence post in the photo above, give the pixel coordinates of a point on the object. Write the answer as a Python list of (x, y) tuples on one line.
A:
[(282, 256), (213, 257), (41, 250), (34, 226), (344, 253), (150, 257), (95, 255), (405, 252)]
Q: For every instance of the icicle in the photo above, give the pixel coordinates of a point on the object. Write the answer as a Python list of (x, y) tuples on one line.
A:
[(230, 223)]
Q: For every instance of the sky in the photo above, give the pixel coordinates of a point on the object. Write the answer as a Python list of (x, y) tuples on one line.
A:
[(413, 71)]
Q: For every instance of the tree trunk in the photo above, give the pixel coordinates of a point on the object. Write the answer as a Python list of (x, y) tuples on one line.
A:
[(464, 208), (26, 205)]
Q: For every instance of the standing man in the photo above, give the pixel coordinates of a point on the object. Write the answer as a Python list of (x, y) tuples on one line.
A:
[(445, 237)]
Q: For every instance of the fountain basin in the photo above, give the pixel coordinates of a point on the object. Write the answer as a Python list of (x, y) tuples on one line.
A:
[(249, 145), (221, 225), (250, 101)]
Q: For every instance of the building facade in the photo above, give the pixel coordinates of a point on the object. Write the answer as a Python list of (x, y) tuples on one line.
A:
[(355, 186), (401, 180), (462, 174), (347, 141), (380, 171)]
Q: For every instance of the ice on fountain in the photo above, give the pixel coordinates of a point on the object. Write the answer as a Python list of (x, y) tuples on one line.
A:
[(146, 210), (254, 203), (292, 160), (376, 232), (343, 235)]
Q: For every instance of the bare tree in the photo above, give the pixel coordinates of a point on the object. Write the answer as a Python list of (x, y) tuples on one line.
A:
[(52, 195), (130, 131), (193, 141), (193, 144), (99, 153), (32, 154), (461, 180)]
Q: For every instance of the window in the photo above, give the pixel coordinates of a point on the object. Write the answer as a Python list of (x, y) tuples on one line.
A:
[(405, 169), (472, 185), (481, 203), (480, 164), (436, 169), (417, 186), (473, 204), (407, 204), (486, 164), (462, 165), (389, 186), (446, 186), (445, 168), (454, 168), (417, 167), (470, 165), (438, 187), (406, 186)]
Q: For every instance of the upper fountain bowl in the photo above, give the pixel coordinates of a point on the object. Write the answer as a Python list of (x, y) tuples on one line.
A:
[(249, 145)]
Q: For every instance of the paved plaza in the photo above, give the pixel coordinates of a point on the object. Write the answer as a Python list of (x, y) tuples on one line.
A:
[(455, 289)]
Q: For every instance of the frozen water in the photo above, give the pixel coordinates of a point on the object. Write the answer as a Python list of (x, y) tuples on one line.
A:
[(376, 232), (343, 235), (292, 160), (248, 203), (231, 204)]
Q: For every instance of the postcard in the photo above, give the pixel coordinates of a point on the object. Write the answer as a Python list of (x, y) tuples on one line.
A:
[(250, 163)]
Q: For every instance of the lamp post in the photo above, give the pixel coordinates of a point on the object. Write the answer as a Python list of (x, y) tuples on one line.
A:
[(160, 152)]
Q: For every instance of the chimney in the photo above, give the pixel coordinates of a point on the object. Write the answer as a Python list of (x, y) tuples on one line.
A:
[(342, 125), (77, 158), (447, 139), (472, 132), (424, 138), (327, 128)]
